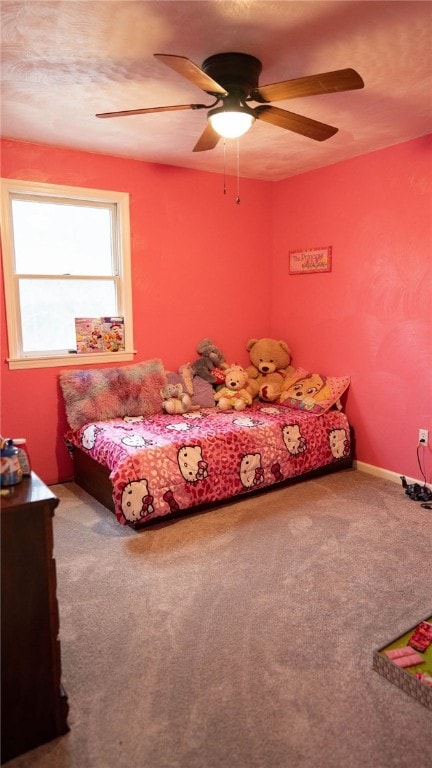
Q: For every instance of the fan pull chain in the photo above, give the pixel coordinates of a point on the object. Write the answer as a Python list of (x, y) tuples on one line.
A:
[(224, 182), (238, 173)]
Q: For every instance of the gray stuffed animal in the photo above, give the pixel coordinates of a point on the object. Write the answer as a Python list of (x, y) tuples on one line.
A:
[(211, 358), (174, 400)]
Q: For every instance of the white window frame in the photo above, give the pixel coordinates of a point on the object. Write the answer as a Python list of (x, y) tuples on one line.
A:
[(17, 359)]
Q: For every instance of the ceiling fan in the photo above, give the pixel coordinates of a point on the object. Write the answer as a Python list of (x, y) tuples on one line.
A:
[(232, 79)]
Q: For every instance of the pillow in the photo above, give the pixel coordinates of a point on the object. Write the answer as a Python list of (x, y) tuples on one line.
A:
[(312, 392), (202, 393), (99, 394)]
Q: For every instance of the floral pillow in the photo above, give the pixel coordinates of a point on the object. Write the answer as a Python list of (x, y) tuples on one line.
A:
[(313, 392), (100, 394)]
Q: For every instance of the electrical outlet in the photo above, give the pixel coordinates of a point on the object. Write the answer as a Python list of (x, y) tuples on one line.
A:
[(423, 436)]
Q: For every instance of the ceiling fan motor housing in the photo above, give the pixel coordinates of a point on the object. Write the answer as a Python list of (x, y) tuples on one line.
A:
[(234, 71)]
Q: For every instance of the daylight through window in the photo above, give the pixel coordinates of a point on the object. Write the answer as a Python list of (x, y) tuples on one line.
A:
[(66, 255)]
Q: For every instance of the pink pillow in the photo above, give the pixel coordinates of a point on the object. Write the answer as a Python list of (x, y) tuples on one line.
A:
[(100, 394), (312, 392)]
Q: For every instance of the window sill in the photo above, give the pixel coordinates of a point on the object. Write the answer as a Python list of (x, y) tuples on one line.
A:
[(64, 361)]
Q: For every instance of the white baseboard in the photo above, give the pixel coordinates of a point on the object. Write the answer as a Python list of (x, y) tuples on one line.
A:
[(386, 474)]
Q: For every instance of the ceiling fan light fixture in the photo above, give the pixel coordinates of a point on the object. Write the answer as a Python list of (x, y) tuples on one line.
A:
[(231, 123)]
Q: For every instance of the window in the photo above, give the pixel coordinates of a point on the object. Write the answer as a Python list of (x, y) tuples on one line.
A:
[(66, 254)]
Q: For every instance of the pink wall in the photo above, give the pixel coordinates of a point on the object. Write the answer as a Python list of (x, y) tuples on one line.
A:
[(371, 316), (199, 262), (203, 265)]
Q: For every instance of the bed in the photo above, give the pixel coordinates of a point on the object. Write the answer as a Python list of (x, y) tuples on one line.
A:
[(147, 466)]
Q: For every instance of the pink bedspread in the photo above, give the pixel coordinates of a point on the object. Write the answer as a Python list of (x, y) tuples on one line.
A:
[(164, 463)]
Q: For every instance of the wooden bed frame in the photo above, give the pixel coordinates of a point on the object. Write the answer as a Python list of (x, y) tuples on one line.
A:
[(94, 478)]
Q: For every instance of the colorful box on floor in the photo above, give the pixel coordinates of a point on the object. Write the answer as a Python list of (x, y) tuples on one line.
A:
[(416, 679)]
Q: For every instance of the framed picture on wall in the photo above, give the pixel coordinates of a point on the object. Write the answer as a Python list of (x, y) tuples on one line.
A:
[(310, 260)]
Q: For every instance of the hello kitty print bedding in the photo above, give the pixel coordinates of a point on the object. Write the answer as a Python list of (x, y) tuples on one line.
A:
[(163, 464)]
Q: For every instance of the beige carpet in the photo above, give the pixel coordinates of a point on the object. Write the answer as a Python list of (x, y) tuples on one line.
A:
[(242, 637)]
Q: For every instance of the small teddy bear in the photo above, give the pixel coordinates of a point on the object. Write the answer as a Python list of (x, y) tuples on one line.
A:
[(233, 394), (211, 365), (174, 400)]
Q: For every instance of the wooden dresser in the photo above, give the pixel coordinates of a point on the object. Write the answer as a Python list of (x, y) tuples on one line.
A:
[(34, 705)]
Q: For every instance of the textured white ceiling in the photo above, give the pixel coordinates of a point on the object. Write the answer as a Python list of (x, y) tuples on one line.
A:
[(65, 60)]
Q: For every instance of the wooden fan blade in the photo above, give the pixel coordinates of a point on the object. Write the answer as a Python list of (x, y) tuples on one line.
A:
[(148, 110), (208, 139), (191, 72), (327, 82), (296, 123)]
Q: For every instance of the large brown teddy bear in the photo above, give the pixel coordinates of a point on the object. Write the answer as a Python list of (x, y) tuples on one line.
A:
[(270, 365)]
